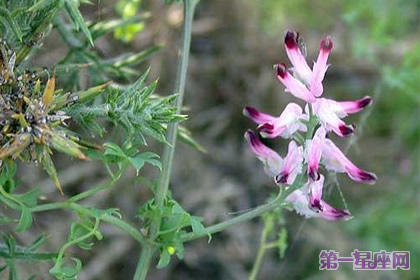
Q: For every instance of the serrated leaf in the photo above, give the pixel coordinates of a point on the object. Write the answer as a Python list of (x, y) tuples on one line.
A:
[(7, 18), (112, 149), (39, 5), (25, 220), (137, 162), (72, 8)]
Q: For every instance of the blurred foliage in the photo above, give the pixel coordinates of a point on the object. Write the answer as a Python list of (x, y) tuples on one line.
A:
[(128, 9)]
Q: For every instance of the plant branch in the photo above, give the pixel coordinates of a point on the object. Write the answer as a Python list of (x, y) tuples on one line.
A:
[(277, 202), (168, 154), (260, 254)]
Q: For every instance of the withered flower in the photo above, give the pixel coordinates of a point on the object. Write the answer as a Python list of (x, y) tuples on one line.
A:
[(32, 120)]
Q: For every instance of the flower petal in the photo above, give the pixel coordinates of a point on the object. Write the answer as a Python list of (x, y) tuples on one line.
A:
[(333, 214), (327, 113), (293, 85), (314, 151), (272, 161), (343, 108), (285, 125), (299, 199), (292, 165), (316, 194), (300, 66), (320, 67), (257, 116), (334, 159)]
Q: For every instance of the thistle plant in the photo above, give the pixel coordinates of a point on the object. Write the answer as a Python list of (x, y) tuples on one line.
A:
[(38, 105)]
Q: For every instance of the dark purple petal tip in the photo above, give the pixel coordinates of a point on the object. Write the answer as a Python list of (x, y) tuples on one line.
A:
[(365, 101), (346, 130), (280, 69), (282, 178), (266, 127), (314, 174), (340, 214), (367, 177), (316, 206), (291, 39), (250, 112), (250, 136), (326, 44)]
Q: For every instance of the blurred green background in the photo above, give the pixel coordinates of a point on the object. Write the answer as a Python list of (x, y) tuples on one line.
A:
[(235, 43)]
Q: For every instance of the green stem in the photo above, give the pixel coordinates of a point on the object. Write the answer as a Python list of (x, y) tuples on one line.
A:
[(168, 154), (313, 122), (260, 255), (124, 226), (277, 202)]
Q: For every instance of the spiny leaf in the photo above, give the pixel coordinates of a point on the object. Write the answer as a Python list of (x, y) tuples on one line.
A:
[(63, 100), (47, 163), (49, 91), (21, 142), (72, 8), (5, 17), (67, 146), (40, 5)]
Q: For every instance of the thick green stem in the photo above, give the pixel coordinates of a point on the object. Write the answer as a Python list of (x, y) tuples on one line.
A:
[(168, 154)]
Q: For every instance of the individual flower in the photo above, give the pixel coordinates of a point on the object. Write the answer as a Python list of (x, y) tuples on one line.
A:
[(292, 84), (284, 126), (334, 160), (314, 152), (271, 160), (330, 113), (292, 165), (298, 60), (307, 202)]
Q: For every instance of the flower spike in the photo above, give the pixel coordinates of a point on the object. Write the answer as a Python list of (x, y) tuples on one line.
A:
[(272, 161), (326, 114)]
